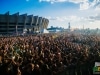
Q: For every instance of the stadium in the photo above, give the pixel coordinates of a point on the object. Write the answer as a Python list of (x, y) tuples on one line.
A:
[(19, 24)]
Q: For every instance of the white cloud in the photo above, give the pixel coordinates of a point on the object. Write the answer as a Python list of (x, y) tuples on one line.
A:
[(78, 1), (57, 18), (65, 18), (84, 4), (94, 25), (74, 1), (45, 0), (96, 17), (76, 21), (97, 8), (52, 1), (95, 2)]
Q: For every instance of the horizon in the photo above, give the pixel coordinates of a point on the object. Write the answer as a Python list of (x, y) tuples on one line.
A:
[(59, 12)]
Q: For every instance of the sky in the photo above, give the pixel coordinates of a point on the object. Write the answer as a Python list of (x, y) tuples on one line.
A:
[(59, 12)]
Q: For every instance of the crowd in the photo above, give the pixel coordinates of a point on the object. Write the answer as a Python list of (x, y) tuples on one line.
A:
[(47, 54)]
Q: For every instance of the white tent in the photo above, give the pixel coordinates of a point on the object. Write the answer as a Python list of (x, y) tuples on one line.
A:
[(45, 31)]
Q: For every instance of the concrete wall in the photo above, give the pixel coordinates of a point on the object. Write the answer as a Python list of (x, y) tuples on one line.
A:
[(16, 23)]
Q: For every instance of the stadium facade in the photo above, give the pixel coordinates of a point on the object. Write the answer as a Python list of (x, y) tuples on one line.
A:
[(18, 24)]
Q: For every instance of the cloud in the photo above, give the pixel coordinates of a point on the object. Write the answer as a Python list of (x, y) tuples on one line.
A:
[(54, 1), (84, 4), (65, 18), (96, 17), (75, 19), (74, 1), (51, 18), (57, 18), (97, 8), (77, 1), (95, 2)]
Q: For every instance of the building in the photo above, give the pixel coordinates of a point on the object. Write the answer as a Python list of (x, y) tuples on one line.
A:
[(69, 28), (55, 29), (18, 24)]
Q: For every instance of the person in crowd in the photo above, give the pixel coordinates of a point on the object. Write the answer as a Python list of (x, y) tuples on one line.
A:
[(47, 54)]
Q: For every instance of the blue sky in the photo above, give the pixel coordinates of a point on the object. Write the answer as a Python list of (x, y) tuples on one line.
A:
[(59, 12)]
